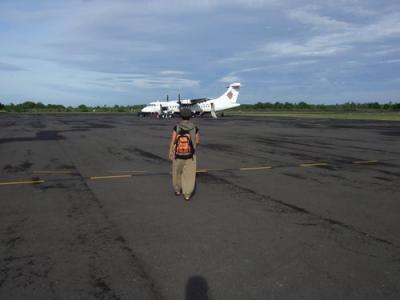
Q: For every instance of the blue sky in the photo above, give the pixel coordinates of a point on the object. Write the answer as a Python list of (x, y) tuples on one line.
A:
[(132, 52)]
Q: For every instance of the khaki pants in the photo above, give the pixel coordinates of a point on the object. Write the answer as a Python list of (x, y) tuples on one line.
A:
[(184, 175)]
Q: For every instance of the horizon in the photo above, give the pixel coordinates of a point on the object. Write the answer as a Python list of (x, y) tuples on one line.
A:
[(125, 53), (242, 104)]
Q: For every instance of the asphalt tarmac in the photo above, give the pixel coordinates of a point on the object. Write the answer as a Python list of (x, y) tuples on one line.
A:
[(283, 209)]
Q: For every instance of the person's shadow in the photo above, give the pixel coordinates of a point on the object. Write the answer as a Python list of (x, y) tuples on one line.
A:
[(197, 288)]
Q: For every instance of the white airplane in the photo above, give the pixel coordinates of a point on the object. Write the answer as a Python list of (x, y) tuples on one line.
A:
[(200, 106)]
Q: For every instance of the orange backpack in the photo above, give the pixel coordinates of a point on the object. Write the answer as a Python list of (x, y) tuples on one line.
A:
[(183, 145)]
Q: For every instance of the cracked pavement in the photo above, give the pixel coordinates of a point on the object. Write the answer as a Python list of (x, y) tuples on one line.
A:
[(289, 232)]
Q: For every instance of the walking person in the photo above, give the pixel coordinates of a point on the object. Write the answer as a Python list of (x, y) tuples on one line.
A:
[(182, 151)]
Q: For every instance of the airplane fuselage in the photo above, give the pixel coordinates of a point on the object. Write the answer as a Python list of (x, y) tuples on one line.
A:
[(197, 106)]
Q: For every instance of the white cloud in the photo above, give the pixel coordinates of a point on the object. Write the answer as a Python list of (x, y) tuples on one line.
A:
[(229, 79), (164, 79), (358, 10), (392, 61), (319, 22), (314, 47), (9, 67), (137, 46), (172, 72), (344, 37), (234, 77), (167, 83), (383, 50), (301, 63)]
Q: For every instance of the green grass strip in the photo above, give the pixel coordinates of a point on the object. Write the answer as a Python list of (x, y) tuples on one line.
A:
[(375, 116)]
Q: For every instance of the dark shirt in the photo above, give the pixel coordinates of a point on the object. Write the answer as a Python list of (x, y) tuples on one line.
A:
[(197, 129)]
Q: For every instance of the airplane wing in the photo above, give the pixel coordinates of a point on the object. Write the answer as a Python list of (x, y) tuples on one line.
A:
[(193, 101), (199, 100)]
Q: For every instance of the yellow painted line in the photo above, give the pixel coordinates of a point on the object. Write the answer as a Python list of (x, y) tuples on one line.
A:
[(208, 170), (21, 182), (255, 168), (129, 171), (110, 177), (313, 165), (364, 161), (54, 172)]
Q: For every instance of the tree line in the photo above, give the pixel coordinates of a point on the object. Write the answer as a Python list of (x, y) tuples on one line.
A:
[(30, 106), (303, 106)]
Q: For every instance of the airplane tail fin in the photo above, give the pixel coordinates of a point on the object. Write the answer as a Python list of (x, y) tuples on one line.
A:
[(231, 95)]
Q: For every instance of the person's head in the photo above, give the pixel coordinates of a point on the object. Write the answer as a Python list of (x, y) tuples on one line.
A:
[(186, 113)]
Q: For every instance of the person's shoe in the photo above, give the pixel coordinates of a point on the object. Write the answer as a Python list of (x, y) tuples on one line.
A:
[(177, 193), (187, 198)]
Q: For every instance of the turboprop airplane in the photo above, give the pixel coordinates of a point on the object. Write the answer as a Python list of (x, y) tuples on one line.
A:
[(200, 106)]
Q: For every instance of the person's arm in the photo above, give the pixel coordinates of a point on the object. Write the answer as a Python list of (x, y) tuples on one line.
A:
[(171, 152)]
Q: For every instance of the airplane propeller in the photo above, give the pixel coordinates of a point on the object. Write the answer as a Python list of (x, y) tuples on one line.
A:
[(179, 101)]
